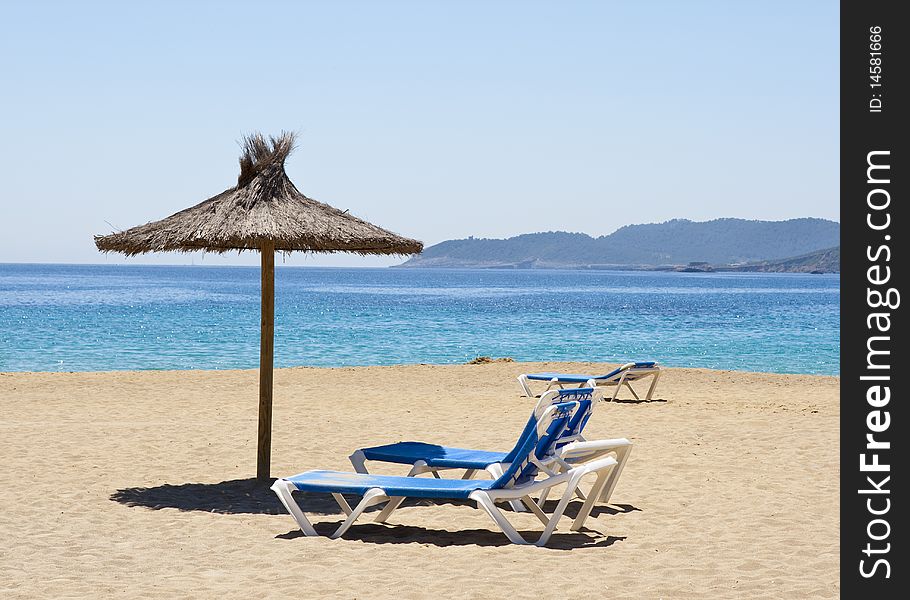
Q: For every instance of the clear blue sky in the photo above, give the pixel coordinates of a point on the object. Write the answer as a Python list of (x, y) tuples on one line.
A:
[(437, 120)]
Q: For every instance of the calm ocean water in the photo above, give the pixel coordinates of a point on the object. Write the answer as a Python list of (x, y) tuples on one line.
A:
[(102, 317)]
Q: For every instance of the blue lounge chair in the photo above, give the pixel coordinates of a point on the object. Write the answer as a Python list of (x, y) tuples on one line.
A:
[(517, 482), (570, 449), (618, 377)]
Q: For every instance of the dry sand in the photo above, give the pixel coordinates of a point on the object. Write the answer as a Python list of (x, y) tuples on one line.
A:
[(131, 484)]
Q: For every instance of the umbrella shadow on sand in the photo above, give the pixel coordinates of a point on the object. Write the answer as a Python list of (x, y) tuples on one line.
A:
[(232, 497)]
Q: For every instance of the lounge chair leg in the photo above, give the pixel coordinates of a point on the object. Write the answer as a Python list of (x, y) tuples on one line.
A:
[(560, 509), (622, 455), (543, 497), (550, 384), (389, 508), (486, 503), (653, 385), (418, 468), (343, 504), (616, 389), (469, 474), (634, 395), (578, 492), (284, 490), (525, 387), (529, 502), (373, 496), (359, 461), (596, 491)]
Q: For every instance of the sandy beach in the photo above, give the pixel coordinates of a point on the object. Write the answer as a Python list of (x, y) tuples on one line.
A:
[(135, 484)]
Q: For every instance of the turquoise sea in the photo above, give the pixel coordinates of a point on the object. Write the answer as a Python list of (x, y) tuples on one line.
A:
[(103, 317)]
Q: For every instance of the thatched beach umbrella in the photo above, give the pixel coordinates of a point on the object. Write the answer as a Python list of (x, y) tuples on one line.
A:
[(263, 212)]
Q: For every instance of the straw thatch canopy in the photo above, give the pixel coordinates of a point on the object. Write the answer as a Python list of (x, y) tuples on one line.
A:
[(263, 207), (266, 213)]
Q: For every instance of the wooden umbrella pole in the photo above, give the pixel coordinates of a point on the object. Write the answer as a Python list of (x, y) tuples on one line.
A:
[(266, 362)]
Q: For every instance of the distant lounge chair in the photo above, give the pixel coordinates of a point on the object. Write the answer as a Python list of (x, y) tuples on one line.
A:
[(618, 377), (517, 482), (570, 449)]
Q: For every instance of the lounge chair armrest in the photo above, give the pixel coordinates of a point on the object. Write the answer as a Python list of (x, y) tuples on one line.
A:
[(598, 465), (593, 448)]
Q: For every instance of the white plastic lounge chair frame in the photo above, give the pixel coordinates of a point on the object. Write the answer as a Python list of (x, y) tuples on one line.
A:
[(625, 375), (578, 452), (486, 499)]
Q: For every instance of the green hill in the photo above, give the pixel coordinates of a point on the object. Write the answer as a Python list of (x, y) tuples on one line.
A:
[(673, 243), (825, 261)]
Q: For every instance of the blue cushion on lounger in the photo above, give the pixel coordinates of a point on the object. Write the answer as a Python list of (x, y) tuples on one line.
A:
[(414, 487), (435, 456), (575, 378)]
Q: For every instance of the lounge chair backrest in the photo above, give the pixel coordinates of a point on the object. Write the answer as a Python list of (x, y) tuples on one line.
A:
[(632, 365), (586, 397), (536, 444)]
